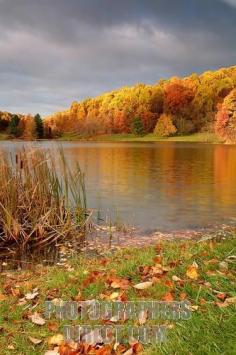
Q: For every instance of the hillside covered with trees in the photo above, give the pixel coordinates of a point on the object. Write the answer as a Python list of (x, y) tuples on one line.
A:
[(177, 106), (173, 107)]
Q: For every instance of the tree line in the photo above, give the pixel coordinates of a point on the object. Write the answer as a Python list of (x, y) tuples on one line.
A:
[(177, 106), (26, 127)]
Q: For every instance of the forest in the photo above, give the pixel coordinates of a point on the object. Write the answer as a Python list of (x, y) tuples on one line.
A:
[(173, 107)]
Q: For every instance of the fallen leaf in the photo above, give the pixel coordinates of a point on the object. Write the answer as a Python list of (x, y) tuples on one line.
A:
[(57, 339), (193, 308), (143, 285), (52, 352), (223, 265), (221, 304), (211, 261), (202, 301), (11, 347), (169, 284), (114, 319), (35, 341), (31, 296), (52, 326), (168, 297), (231, 300), (129, 352), (137, 348), (192, 272), (114, 295), (21, 302), (92, 337), (116, 282), (183, 296), (142, 317), (72, 348), (221, 296), (37, 319), (175, 278)]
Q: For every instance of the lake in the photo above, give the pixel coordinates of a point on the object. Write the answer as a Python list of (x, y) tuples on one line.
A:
[(164, 186)]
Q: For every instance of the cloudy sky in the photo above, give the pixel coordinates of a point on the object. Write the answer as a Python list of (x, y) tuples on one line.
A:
[(55, 51)]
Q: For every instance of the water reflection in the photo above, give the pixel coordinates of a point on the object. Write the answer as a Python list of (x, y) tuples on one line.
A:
[(157, 185)]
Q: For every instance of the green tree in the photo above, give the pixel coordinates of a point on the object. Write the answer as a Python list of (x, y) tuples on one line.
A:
[(14, 126), (137, 126), (39, 126)]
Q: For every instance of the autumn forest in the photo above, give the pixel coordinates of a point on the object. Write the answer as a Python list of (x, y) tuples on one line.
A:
[(177, 106)]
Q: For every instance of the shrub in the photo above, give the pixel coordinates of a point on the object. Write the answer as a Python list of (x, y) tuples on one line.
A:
[(165, 126)]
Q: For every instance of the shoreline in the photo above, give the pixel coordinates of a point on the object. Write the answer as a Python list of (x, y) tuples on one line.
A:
[(208, 138), (105, 238), (116, 138)]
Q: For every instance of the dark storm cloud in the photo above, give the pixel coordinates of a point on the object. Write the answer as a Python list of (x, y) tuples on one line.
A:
[(53, 52)]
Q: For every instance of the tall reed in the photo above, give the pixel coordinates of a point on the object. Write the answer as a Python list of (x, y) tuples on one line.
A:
[(42, 201)]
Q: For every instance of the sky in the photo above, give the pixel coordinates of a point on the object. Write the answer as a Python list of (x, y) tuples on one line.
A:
[(53, 52)]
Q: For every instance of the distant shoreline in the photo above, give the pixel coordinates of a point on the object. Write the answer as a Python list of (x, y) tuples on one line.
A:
[(197, 137), (210, 138)]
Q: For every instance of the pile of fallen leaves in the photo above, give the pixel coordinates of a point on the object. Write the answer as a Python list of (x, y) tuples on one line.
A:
[(72, 348)]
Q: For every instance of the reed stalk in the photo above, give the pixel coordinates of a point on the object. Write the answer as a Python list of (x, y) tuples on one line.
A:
[(42, 201)]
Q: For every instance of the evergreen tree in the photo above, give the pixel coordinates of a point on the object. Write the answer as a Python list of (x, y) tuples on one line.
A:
[(137, 126), (14, 126), (39, 126)]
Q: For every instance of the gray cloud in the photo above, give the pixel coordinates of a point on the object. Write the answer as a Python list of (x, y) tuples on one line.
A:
[(54, 52), (230, 2)]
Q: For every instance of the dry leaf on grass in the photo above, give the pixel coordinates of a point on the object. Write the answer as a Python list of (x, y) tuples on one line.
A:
[(192, 272), (176, 278), (52, 352), (168, 297), (31, 295), (35, 341), (143, 285), (37, 319), (129, 352), (142, 318), (57, 339)]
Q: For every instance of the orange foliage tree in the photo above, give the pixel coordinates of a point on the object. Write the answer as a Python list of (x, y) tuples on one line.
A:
[(177, 97), (165, 126), (225, 125)]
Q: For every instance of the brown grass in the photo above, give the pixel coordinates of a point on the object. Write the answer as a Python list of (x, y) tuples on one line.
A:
[(42, 202)]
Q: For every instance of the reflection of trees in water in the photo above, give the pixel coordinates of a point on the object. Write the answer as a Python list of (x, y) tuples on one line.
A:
[(225, 174), (188, 181)]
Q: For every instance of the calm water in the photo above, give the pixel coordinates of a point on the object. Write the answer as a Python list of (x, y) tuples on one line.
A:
[(156, 185)]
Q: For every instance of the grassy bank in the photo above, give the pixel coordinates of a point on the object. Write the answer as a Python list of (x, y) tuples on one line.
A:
[(202, 273), (197, 137)]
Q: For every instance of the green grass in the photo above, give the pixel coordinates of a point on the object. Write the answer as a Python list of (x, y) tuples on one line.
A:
[(196, 137), (211, 329)]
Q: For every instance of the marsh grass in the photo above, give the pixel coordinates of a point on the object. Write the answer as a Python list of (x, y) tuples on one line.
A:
[(42, 202)]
